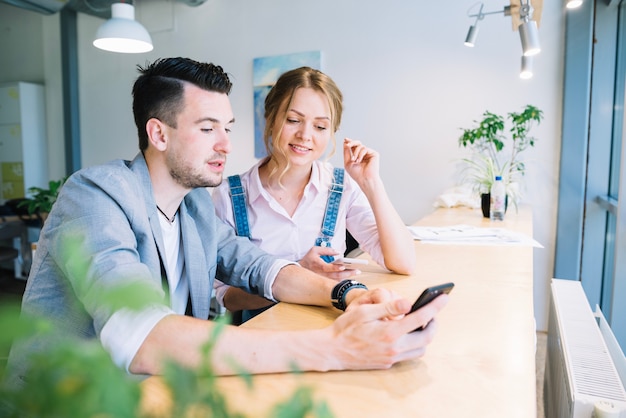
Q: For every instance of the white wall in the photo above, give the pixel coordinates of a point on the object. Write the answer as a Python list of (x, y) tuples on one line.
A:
[(21, 45), (409, 85)]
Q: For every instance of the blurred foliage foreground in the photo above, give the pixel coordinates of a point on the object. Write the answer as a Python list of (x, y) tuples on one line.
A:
[(79, 379)]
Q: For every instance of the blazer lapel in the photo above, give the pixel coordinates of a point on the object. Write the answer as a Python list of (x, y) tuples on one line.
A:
[(140, 167)]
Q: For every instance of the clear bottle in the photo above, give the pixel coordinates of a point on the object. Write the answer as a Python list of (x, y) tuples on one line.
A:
[(498, 196)]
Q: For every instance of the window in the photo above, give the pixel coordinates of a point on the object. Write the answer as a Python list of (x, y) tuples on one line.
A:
[(591, 225)]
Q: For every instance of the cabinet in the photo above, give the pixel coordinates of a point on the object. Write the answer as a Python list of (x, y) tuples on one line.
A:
[(23, 144)]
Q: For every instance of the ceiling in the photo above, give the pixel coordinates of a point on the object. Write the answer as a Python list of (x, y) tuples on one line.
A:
[(98, 8)]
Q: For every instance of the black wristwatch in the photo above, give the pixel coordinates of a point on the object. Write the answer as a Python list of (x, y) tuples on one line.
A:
[(341, 289)]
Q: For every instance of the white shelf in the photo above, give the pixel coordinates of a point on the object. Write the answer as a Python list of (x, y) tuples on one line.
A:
[(23, 145)]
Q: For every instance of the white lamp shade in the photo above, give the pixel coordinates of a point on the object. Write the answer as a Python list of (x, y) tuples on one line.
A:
[(529, 34), (122, 33)]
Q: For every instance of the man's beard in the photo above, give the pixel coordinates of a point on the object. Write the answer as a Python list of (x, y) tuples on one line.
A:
[(185, 176)]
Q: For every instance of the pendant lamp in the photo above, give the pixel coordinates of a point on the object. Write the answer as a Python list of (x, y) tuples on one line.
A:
[(122, 33)]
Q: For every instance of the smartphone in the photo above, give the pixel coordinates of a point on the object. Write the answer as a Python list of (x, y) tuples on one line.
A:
[(429, 294), (347, 260)]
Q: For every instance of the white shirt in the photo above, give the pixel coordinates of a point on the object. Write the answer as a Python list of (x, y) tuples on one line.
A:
[(291, 237), (174, 263)]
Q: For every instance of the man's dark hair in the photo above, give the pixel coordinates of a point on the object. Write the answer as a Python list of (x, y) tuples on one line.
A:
[(159, 91)]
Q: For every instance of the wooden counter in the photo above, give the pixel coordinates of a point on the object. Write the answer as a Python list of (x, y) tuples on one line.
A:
[(481, 363)]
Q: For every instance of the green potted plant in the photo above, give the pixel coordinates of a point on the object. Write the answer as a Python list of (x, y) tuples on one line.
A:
[(41, 200), (496, 151)]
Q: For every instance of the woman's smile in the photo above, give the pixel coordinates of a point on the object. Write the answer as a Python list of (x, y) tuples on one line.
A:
[(299, 149)]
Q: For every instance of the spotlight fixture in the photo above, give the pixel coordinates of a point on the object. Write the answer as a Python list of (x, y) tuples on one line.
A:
[(122, 33), (573, 4), (530, 38), (527, 68), (524, 19), (470, 39), (528, 32)]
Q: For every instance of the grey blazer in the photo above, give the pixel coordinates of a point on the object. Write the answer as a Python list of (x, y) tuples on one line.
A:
[(104, 230)]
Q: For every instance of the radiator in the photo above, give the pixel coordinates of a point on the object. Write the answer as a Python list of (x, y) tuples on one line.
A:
[(583, 360)]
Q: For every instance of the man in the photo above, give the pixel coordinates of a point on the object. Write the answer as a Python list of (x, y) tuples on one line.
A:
[(151, 221)]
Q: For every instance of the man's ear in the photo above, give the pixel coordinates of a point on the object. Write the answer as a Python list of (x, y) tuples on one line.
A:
[(157, 134)]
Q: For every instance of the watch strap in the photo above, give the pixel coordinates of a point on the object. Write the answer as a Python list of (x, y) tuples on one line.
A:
[(341, 289)]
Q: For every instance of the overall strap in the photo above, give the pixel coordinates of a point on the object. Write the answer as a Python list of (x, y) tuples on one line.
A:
[(240, 212), (242, 228), (332, 209)]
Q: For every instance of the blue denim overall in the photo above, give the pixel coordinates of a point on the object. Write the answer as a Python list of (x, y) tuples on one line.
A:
[(242, 227)]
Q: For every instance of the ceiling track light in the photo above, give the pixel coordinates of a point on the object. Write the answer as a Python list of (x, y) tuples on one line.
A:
[(470, 39), (529, 36), (573, 4), (122, 33), (526, 71), (523, 22), (528, 31)]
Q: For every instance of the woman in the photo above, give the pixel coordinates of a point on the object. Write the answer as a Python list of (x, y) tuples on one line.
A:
[(287, 192)]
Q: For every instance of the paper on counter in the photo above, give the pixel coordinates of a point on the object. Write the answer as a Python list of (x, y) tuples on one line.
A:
[(471, 235)]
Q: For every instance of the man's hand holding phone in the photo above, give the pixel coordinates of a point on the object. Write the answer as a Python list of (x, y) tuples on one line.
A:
[(428, 295)]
